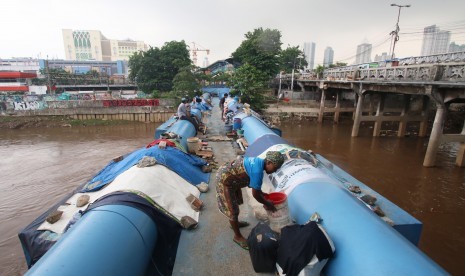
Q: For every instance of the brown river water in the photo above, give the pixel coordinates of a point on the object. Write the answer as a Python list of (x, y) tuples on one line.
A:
[(40, 166)]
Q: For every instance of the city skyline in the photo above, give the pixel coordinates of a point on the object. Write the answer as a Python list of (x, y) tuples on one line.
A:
[(35, 29)]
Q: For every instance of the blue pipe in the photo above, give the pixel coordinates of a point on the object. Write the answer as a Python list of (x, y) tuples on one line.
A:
[(183, 128), (108, 240), (365, 244), (254, 128)]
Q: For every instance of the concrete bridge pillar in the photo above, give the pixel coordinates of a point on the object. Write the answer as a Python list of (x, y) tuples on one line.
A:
[(379, 115), (436, 133), (424, 115), (322, 106), (358, 116), (403, 121), (460, 161), (338, 106)]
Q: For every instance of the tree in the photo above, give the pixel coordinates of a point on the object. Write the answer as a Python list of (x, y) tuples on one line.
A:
[(249, 83), (261, 49), (186, 83), (156, 68), (292, 58), (338, 64), (319, 70)]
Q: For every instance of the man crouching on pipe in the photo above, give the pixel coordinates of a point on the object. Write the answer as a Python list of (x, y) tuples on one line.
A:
[(240, 173)]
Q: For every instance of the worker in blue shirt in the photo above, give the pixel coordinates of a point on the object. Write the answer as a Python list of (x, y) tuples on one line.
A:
[(240, 173)]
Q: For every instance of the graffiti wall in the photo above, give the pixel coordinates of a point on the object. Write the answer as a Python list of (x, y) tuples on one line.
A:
[(34, 105), (11, 103)]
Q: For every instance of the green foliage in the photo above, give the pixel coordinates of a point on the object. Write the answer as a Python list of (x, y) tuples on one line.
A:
[(186, 83), (157, 67), (249, 83), (261, 50), (337, 64), (292, 57), (319, 70)]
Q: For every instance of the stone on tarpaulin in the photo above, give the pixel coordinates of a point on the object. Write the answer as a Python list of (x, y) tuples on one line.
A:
[(146, 161), (82, 200), (206, 169), (188, 223), (196, 203), (203, 187), (54, 216), (368, 199)]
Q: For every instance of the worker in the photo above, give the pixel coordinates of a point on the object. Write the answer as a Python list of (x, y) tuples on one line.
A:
[(222, 104), (184, 113), (240, 173)]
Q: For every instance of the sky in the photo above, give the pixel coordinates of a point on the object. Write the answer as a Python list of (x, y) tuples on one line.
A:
[(31, 28)]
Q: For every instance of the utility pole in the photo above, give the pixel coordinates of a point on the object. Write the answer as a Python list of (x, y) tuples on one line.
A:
[(395, 33)]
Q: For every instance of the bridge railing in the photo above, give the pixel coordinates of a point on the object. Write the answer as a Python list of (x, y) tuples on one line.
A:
[(427, 72), (453, 72)]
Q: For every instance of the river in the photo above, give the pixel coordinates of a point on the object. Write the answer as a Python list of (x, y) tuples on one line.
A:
[(39, 166)]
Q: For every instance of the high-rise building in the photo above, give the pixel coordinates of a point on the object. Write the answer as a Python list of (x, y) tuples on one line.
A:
[(309, 51), (328, 58), (205, 62), (381, 57), (92, 45), (435, 41), (456, 48), (363, 53)]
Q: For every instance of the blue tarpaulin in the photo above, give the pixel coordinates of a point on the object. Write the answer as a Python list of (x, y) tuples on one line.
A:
[(185, 165)]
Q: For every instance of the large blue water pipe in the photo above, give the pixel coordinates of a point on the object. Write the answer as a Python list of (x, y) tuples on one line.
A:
[(183, 128), (107, 240), (365, 244)]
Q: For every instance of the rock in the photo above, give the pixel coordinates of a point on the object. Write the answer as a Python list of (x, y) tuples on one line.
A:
[(206, 169), (118, 158), (203, 187), (368, 199), (54, 216), (355, 189), (82, 200), (378, 211), (188, 223), (196, 204), (146, 161)]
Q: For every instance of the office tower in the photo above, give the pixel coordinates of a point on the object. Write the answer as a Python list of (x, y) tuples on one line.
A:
[(435, 41), (381, 57), (328, 58), (363, 53), (92, 45), (456, 47), (309, 51)]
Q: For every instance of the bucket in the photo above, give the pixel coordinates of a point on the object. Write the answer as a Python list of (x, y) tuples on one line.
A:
[(237, 123), (240, 132), (280, 218), (228, 128), (193, 144)]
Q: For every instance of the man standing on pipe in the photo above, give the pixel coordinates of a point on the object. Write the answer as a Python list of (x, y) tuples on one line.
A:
[(240, 173)]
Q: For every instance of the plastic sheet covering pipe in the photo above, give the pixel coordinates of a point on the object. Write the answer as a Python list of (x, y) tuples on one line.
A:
[(185, 165)]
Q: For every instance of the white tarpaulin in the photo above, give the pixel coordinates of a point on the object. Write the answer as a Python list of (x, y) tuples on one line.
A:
[(164, 186)]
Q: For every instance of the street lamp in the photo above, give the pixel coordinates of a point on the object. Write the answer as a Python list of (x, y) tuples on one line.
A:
[(395, 33)]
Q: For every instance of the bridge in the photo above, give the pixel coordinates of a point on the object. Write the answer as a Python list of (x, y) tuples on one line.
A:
[(398, 91)]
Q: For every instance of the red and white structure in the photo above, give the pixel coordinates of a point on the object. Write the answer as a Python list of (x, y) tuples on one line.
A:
[(15, 81)]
